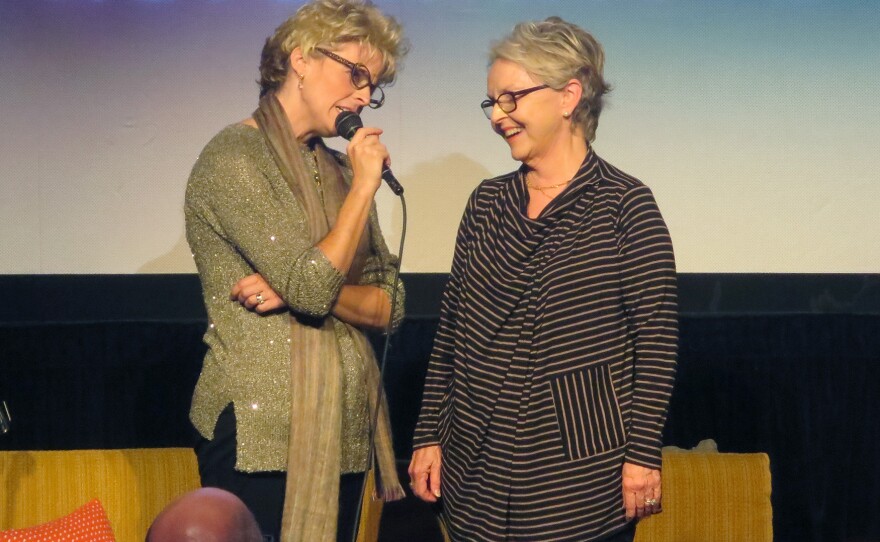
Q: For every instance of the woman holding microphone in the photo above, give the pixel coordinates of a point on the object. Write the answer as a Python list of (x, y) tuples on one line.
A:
[(289, 380)]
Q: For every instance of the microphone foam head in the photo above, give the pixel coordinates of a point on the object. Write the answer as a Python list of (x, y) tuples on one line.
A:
[(347, 123)]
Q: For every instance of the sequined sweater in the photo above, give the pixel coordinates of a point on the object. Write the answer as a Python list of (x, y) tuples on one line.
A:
[(241, 218)]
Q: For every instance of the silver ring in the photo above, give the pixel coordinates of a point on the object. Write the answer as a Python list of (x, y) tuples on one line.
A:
[(260, 299), (651, 502)]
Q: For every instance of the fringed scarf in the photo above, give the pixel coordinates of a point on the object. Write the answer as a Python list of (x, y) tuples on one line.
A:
[(311, 500)]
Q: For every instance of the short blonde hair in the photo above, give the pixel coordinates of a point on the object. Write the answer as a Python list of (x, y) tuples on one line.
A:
[(554, 52), (329, 23)]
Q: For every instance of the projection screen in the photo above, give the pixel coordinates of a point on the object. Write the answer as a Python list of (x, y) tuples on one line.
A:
[(756, 124)]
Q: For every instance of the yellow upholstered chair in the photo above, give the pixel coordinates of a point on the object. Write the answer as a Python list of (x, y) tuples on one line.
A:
[(132, 485), (712, 497)]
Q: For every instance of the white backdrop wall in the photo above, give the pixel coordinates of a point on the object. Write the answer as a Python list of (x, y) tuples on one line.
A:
[(756, 124)]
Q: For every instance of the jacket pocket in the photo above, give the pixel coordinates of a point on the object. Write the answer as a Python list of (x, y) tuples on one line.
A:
[(587, 412)]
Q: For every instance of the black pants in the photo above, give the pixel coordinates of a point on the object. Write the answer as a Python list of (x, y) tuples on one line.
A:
[(626, 535), (263, 492)]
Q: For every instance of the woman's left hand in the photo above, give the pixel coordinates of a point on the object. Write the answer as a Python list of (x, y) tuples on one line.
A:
[(641, 491), (255, 294)]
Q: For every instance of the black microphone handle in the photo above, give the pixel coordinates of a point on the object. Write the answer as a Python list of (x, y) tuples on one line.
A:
[(391, 181), (349, 122)]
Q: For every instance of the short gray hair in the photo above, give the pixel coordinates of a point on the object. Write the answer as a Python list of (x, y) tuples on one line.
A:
[(555, 51)]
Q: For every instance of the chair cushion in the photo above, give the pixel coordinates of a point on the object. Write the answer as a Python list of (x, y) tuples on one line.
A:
[(712, 497), (88, 523), (132, 485)]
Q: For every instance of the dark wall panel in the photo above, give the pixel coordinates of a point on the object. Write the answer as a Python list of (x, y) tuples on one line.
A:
[(783, 364)]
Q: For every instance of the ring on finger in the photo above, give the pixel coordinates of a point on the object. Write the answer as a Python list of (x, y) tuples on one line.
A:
[(651, 502), (260, 298)]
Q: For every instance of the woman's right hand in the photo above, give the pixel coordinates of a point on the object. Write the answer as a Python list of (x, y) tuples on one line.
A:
[(368, 156), (424, 473), (255, 294)]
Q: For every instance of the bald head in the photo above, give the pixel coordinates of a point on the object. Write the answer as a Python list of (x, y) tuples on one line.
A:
[(205, 515)]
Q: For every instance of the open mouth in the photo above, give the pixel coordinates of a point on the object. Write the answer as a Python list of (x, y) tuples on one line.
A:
[(510, 132)]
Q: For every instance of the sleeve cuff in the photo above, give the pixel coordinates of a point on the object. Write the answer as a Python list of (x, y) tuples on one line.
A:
[(425, 441), (381, 276), (315, 284), (650, 458), (397, 317)]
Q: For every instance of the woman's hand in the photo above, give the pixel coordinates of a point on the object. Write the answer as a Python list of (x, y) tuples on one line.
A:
[(641, 491), (424, 473), (367, 155), (255, 294)]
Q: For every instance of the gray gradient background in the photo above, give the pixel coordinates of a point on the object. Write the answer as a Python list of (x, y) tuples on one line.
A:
[(756, 124)]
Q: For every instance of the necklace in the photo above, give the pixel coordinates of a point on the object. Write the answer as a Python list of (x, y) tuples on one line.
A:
[(312, 162), (543, 189)]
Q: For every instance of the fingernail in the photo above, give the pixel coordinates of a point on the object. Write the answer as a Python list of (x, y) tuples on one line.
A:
[(437, 494)]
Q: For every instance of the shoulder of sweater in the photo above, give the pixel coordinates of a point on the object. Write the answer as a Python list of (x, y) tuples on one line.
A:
[(613, 178), (489, 187), (236, 142), (234, 145), (228, 161), (500, 180)]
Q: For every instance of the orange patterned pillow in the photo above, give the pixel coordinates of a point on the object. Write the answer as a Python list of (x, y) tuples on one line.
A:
[(88, 523)]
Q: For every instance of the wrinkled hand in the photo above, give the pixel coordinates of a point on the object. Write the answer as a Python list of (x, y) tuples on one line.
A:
[(255, 294), (640, 484), (424, 473)]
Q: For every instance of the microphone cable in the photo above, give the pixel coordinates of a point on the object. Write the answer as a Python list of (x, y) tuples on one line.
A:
[(380, 392)]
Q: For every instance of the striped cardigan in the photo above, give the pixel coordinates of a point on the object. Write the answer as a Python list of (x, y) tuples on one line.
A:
[(554, 359)]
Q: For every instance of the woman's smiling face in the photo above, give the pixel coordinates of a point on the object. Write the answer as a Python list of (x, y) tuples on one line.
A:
[(536, 124)]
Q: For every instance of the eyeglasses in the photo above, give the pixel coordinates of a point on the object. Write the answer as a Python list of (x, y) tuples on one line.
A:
[(507, 100), (360, 78)]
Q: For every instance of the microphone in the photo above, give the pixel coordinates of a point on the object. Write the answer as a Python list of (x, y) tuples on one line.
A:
[(349, 122)]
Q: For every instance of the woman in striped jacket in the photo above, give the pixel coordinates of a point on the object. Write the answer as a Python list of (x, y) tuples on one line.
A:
[(552, 367)]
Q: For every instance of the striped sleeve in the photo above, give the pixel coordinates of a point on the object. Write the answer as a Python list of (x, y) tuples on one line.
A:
[(650, 296), (438, 381)]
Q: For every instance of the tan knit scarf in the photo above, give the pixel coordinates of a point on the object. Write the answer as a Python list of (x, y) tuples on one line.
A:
[(311, 500)]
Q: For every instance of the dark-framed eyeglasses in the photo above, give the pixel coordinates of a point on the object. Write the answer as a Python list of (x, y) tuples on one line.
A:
[(360, 78), (507, 100)]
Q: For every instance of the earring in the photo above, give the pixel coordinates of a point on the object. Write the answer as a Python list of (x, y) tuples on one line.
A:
[(301, 77), (565, 114)]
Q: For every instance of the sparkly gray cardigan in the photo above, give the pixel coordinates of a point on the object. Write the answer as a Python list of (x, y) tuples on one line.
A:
[(242, 218)]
